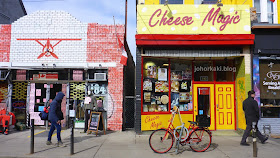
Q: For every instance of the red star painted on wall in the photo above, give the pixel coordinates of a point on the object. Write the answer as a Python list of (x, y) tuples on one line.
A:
[(48, 48)]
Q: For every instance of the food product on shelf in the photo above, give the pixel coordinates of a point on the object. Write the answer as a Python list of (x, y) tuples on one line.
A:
[(184, 97), (147, 96), (164, 99), (175, 86), (161, 86), (147, 85), (176, 75)]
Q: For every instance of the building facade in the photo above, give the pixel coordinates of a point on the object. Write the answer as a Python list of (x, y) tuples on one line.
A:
[(266, 76), (196, 57), (11, 10), (50, 51)]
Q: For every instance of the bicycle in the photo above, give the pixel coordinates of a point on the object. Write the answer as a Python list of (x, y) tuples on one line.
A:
[(199, 138)]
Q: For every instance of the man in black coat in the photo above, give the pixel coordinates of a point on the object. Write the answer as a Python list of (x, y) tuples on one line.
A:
[(55, 117), (251, 109)]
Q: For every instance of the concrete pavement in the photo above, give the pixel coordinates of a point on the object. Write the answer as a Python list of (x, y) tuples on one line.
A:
[(125, 145)]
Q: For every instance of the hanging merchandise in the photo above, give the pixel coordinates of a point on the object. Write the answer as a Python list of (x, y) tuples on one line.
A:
[(162, 74)]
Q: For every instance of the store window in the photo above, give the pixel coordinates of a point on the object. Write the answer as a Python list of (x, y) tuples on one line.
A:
[(224, 71), (270, 88), (172, 1), (155, 85), (265, 11), (203, 71), (181, 81)]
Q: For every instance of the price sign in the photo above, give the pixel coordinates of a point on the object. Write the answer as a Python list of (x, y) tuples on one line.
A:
[(98, 89)]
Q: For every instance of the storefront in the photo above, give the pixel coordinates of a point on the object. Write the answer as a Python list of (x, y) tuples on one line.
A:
[(59, 53), (266, 67), (186, 58)]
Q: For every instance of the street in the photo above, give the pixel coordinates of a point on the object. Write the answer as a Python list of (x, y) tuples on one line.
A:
[(124, 145)]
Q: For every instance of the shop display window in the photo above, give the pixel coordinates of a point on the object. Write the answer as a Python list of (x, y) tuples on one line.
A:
[(155, 85), (40, 97), (181, 84), (224, 70), (203, 71), (269, 88)]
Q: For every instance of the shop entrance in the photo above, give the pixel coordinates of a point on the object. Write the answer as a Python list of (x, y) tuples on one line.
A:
[(218, 103), (204, 101), (225, 107)]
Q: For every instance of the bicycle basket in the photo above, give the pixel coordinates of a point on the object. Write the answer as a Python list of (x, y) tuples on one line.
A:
[(203, 120)]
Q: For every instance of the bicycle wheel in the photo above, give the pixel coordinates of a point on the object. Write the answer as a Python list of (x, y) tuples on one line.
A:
[(161, 141), (200, 140)]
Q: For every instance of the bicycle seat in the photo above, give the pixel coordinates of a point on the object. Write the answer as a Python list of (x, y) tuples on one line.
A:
[(192, 122)]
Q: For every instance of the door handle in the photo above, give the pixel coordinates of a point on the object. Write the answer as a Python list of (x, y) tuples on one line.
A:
[(217, 107)]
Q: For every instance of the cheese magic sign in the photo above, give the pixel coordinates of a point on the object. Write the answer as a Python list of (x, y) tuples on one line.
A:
[(193, 19)]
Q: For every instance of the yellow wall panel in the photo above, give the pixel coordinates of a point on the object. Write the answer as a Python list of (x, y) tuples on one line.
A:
[(189, 1), (153, 122), (238, 2), (278, 10), (240, 92), (151, 1)]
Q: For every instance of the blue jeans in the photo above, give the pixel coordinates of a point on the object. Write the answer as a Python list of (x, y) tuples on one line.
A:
[(54, 126)]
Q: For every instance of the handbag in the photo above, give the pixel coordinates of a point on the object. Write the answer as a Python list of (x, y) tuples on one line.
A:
[(43, 115)]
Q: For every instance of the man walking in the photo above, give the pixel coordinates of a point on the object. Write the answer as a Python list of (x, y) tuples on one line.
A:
[(251, 109)]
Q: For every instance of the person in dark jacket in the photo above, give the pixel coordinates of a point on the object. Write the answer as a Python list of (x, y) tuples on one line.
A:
[(251, 109), (55, 117)]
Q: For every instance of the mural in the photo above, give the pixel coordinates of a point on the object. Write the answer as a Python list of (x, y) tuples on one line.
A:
[(256, 78), (241, 93)]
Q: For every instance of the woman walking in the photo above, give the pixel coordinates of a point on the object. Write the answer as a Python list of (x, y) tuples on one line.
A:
[(55, 117)]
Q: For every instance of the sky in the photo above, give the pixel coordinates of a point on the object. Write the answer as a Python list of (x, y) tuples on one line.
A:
[(93, 11)]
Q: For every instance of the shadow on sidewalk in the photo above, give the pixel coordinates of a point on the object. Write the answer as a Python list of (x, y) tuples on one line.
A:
[(86, 149), (212, 147)]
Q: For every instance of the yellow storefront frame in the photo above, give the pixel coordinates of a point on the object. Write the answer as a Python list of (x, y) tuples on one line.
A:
[(154, 122), (212, 99)]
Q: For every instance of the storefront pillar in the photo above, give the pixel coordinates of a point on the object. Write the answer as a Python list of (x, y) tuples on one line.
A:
[(248, 68), (138, 91)]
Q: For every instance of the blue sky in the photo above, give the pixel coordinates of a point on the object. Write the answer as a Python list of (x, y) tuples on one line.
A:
[(91, 11)]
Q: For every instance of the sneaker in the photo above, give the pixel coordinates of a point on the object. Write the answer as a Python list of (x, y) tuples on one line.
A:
[(265, 139), (245, 144), (59, 144), (49, 143)]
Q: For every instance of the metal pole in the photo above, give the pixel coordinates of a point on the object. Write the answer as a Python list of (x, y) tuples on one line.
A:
[(255, 150), (72, 137), (32, 137)]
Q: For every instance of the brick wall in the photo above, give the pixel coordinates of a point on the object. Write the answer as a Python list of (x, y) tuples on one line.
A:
[(102, 47), (53, 25), (5, 41)]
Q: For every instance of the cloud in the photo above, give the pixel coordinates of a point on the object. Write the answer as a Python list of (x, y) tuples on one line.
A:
[(94, 11)]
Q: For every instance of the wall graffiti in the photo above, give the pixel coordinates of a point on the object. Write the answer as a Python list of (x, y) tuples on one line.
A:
[(240, 92)]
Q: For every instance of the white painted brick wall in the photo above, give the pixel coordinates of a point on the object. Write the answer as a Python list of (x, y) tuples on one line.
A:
[(48, 24), (273, 122)]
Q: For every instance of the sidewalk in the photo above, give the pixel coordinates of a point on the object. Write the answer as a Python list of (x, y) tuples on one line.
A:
[(124, 145)]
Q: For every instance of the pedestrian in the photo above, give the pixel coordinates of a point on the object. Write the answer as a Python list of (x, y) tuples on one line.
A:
[(55, 117), (89, 105), (251, 109)]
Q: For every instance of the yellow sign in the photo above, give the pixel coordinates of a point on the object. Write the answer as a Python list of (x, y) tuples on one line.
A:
[(193, 19), (153, 122)]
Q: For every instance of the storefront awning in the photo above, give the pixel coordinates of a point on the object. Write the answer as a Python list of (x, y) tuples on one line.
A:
[(193, 53), (194, 40)]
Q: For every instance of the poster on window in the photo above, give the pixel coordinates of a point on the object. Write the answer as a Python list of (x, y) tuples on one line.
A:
[(162, 74)]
